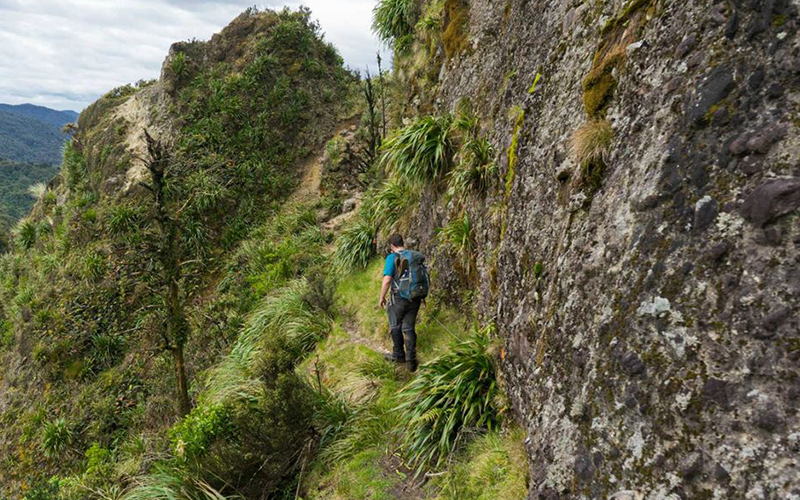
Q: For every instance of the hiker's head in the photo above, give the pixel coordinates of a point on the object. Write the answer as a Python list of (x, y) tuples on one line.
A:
[(396, 242)]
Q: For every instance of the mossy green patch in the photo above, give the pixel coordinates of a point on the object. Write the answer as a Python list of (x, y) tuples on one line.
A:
[(512, 149), (456, 28)]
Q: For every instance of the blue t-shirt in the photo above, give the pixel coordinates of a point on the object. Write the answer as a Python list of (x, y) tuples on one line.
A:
[(389, 268)]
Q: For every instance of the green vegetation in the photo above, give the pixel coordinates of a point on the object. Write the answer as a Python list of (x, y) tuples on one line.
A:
[(476, 170), (88, 289), (26, 140), (452, 394), (421, 152), (382, 208), (195, 335), (394, 21), (56, 437), (590, 146), (15, 181), (493, 466), (457, 237)]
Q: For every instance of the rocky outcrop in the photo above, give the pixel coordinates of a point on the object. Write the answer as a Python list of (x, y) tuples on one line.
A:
[(650, 324)]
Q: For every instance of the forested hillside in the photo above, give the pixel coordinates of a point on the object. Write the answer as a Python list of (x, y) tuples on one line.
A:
[(42, 114), (26, 139), (20, 185), (607, 194), (31, 140)]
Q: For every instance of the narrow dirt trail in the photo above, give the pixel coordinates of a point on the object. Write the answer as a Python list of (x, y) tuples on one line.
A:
[(309, 188)]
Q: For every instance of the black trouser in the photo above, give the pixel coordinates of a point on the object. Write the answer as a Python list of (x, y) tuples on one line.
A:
[(402, 319)]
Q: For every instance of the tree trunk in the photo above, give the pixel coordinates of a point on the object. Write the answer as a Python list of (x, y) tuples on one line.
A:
[(184, 404)]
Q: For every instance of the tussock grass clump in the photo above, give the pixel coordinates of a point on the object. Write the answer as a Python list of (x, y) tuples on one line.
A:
[(57, 436), (174, 484), (452, 394), (421, 152), (476, 171), (282, 322), (382, 208), (355, 246), (591, 141), (590, 146), (457, 238), (25, 234), (394, 20)]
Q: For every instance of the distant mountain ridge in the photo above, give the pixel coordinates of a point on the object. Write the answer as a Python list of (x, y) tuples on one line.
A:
[(46, 115)]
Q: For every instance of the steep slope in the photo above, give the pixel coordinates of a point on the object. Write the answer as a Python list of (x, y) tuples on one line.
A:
[(88, 389), (638, 247)]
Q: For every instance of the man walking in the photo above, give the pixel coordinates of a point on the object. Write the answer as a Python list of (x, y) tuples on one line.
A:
[(405, 281)]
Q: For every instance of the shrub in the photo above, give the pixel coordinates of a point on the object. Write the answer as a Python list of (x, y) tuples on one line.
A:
[(259, 448), (457, 238), (422, 151), (57, 436), (453, 393), (192, 437)]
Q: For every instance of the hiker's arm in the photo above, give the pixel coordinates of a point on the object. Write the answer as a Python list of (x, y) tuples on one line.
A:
[(387, 281)]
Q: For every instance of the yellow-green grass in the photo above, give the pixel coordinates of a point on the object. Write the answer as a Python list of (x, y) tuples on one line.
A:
[(361, 478), (437, 325), (491, 467)]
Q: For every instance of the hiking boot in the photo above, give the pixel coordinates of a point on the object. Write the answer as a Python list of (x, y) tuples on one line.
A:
[(412, 365), (391, 357)]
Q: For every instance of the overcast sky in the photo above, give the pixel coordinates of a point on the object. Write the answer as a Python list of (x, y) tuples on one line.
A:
[(65, 54)]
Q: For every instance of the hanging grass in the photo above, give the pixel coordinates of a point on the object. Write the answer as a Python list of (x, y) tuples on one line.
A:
[(452, 394), (476, 171), (457, 238), (421, 152), (394, 19), (389, 202)]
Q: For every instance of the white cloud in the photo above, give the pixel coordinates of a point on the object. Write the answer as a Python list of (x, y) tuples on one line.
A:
[(66, 54)]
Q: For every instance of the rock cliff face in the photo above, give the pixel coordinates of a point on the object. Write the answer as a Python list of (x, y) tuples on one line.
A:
[(647, 295)]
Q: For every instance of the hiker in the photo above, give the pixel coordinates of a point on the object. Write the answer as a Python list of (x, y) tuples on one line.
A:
[(406, 276)]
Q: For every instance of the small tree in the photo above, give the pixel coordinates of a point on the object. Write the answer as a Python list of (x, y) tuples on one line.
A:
[(372, 113), (169, 278), (383, 95)]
